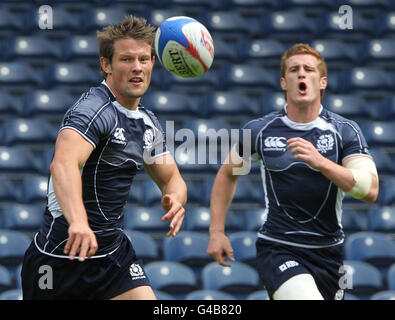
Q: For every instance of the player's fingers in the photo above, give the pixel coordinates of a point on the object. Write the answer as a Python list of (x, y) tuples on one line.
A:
[(75, 247), (69, 242), (84, 247), (171, 212), (93, 246)]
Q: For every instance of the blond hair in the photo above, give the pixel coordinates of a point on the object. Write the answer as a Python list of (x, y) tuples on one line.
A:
[(131, 27)]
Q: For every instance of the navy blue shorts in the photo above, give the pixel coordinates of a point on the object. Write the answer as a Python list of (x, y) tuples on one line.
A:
[(45, 277), (277, 263)]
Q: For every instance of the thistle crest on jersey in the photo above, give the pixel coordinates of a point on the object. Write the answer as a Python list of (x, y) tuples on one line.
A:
[(184, 47)]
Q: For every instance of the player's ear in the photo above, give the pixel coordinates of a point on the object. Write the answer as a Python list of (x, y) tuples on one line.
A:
[(283, 84), (323, 83), (105, 65)]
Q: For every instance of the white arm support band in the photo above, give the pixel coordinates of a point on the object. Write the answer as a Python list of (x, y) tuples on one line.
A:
[(361, 169)]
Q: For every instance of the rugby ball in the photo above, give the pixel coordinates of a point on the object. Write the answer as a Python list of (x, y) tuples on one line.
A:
[(184, 47)]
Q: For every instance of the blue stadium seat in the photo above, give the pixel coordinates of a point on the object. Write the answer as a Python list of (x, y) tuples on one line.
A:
[(31, 47), (70, 74), (34, 189), (11, 22), (258, 295), (13, 245), (382, 219), (171, 277), (157, 16), (239, 279), (336, 52), (209, 295), (287, 25), (224, 51), (5, 279), (204, 129), (9, 105), (19, 74), (361, 4), (371, 247), (364, 79), (9, 190), (160, 295), (80, 47), (347, 105), (354, 220), (248, 191), (379, 133), (188, 248), (198, 85), (145, 219), (195, 192), (255, 218), (383, 109), (23, 217), (271, 101), (144, 245), (329, 4), (246, 77), (390, 277), (243, 243), (47, 103), (152, 193), (27, 132), (363, 278), (227, 23), (229, 104), (172, 104), (197, 219), (18, 160), (265, 51), (46, 159), (382, 160), (136, 194), (13, 294), (349, 296), (377, 52), (62, 20), (387, 191), (384, 23), (383, 295)]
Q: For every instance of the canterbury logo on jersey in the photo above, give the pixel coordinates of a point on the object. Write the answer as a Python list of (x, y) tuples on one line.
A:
[(275, 144), (119, 136)]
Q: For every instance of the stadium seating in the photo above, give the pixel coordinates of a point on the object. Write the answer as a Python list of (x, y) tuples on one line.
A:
[(144, 245), (372, 247), (209, 295), (243, 243), (382, 219), (14, 294), (383, 109), (365, 79), (9, 190), (23, 217), (239, 280), (152, 193), (387, 191), (188, 248), (160, 295), (46, 103), (258, 295), (383, 161), (34, 189), (13, 245), (27, 132), (390, 277), (379, 133), (145, 219), (270, 102), (362, 279), (78, 48), (255, 218), (377, 52), (383, 295), (171, 277), (266, 52), (248, 191), (5, 279), (19, 74), (17, 160), (354, 220), (9, 106), (347, 105), (228, 25)]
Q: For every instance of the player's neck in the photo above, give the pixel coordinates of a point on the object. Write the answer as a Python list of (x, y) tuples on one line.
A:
[(303, 113), (126, 102)]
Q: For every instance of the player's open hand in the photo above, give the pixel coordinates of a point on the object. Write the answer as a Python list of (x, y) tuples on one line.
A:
[(304, 150), (175, 212), (82, 241), (219, 248)]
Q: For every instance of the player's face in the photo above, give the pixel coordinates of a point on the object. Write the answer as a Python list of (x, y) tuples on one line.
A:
[(302, 80), (129, 73)]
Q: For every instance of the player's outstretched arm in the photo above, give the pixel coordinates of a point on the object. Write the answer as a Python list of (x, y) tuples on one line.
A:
[(357, 176), (165, 173), (71, 153), (221, 198)]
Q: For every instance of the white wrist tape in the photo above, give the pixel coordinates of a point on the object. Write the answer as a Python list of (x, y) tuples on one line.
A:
[(361, 169)]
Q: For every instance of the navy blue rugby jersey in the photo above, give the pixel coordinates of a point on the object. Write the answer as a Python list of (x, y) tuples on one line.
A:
[(303, 207), (123, 141)]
